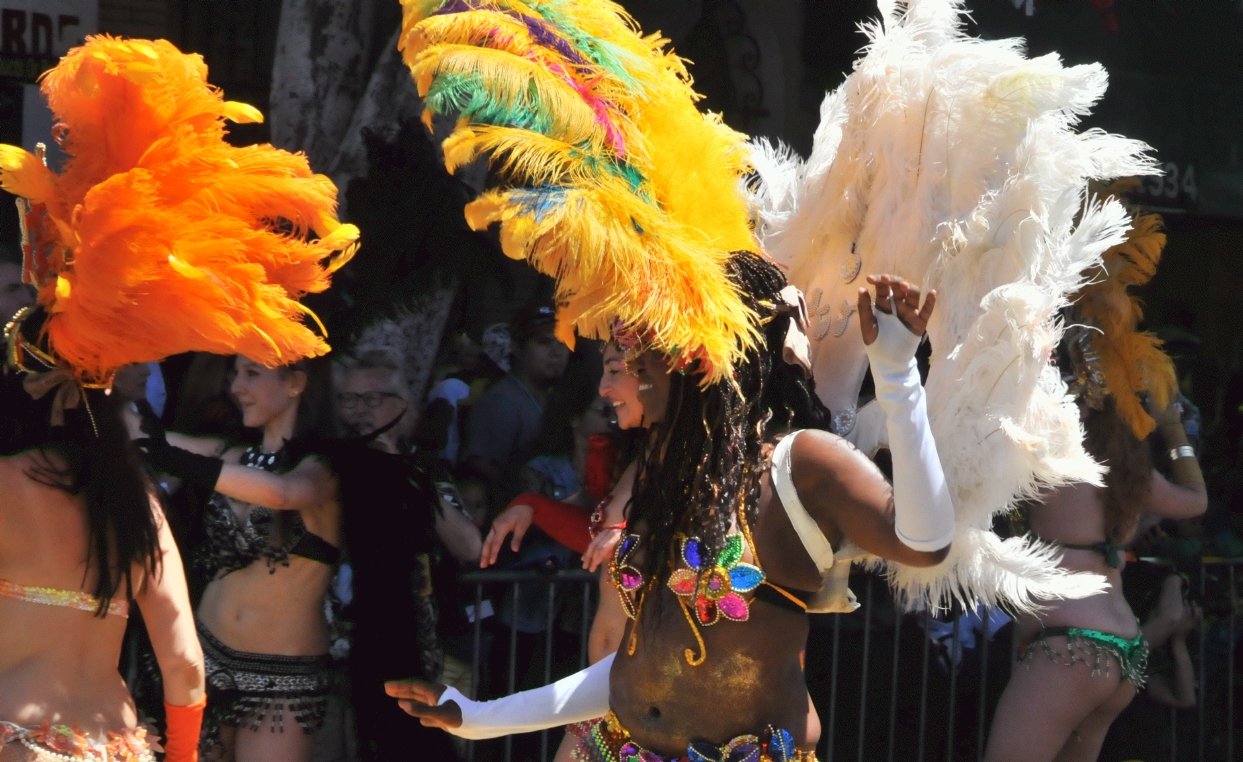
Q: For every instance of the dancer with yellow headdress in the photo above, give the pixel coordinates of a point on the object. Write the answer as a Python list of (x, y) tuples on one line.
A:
[(156, 237)]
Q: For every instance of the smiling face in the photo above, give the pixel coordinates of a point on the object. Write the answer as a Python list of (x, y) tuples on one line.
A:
[(652, 370), (265, 393), (621, 388)]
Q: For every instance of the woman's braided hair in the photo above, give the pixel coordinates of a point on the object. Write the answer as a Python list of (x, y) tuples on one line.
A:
[(702, 464)]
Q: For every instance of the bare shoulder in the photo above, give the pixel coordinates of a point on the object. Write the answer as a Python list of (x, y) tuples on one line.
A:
[(819, 459)]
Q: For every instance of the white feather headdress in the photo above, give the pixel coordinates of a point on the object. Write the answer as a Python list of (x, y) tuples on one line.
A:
[(954, 163)]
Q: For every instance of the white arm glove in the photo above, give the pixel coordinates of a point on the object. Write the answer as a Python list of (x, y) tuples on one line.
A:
[(924, 514), (580, 697)]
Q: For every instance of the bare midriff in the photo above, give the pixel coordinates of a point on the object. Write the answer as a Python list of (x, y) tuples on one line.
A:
[(270, 610), (751, 675)]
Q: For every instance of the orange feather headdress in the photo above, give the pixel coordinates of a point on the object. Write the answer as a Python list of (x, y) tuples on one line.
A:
[(1114, 357), (158, 237)]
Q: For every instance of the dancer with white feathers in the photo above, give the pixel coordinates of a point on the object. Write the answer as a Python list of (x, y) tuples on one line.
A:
[(953, 162), (949, 162)]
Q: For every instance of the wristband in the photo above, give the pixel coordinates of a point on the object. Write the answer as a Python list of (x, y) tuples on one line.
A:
[(1182, 451), (580, 697), (182, 727), (923, 512)]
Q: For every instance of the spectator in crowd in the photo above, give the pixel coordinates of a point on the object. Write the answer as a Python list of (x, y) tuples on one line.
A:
[(608, 476), (574, 415), (506, 419), (14, 293), (473, 491), (406, 538), (461, 381), (273, 537), (81, 543)]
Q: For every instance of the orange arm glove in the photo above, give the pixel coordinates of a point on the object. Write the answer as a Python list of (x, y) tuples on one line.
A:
[(181, 737), (568, 524)]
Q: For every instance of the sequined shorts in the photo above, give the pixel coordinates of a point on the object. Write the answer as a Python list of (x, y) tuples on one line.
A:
[(1093, 647), (57, 742), (605, 740), (246, 690)]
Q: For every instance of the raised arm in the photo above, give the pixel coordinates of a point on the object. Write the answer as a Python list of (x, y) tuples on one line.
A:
[(306, 487), (848, 497), (912, 523), (1183, 495), (165, 605)]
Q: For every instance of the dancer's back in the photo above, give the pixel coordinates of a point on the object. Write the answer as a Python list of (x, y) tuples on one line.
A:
[(57, 663), (1074, 515)]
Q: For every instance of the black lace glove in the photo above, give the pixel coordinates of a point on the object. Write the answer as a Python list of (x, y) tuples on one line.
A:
[(191, 468)]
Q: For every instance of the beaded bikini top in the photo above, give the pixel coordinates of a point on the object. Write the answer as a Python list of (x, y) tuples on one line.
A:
[(70, 599), (233, 543)]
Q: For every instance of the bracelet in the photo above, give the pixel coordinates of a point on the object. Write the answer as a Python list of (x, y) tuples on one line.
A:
[(1182, 451)]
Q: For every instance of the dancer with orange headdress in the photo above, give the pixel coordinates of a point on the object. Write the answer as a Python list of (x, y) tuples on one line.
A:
[(1083, 660), (155, 238)]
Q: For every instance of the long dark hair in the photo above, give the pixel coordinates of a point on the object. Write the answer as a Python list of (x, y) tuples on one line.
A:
[(1128, 483), (90, 457), (703, 463)]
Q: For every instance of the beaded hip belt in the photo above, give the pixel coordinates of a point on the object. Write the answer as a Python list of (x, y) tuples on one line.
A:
[(61, 742), (606, 740)]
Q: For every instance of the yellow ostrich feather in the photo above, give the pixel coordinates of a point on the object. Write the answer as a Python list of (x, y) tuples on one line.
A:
[(158, 237), (615, 184), (1131, 361)]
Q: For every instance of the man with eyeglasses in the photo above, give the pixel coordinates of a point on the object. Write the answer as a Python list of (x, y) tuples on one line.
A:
[(407, 540)]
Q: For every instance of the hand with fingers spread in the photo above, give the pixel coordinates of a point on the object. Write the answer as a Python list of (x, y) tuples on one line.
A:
[(515, 520), (890, 291), (418, 698), (601, 549)]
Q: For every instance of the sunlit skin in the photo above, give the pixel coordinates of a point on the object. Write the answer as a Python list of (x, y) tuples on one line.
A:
[(258, 609), (751, 674), (621, 388), (1051, 711)]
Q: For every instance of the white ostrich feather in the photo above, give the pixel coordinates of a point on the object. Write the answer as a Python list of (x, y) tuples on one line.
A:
[(954, 163)]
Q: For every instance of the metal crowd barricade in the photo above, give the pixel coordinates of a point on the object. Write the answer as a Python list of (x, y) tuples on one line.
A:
[(1215, 723), (513, 582)]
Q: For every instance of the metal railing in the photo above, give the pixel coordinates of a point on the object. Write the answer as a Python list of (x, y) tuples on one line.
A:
[(853, 647)]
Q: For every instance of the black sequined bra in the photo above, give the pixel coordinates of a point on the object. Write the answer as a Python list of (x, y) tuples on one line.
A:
[(233, 543)]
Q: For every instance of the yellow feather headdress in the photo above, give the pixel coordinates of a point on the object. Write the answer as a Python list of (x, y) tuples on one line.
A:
[(1115, 357), (158, 237), (614, 183)]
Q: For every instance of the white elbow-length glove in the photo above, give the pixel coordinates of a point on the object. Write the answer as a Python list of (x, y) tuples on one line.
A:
[(923, 512), (580, 697)]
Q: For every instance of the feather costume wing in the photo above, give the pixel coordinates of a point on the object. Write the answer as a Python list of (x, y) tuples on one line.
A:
[(158, 237), (613, 182), (954, 163)]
